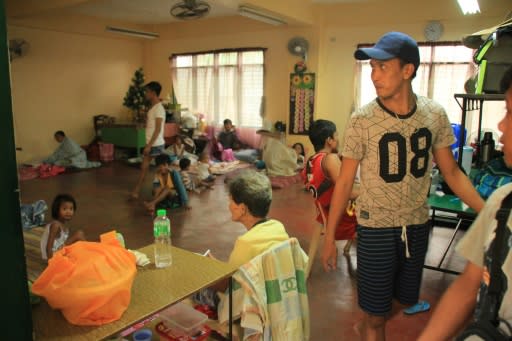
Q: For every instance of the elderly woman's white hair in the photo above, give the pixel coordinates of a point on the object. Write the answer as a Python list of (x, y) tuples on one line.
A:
[(252, 189)]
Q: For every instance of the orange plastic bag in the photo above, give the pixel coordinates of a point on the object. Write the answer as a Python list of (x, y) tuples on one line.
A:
[(89, 282)]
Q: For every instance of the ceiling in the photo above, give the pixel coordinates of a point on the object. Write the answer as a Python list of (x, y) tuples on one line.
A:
[(148, 11)]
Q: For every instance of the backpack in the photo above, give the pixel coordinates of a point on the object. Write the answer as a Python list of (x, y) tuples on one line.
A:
[(493, 58), (493, 176), (487, 324)]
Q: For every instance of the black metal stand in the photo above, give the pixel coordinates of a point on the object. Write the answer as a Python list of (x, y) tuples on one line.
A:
[(468, 102), (450, 243)]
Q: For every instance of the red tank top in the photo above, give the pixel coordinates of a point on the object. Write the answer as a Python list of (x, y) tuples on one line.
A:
[(322, 188), (316, 180)]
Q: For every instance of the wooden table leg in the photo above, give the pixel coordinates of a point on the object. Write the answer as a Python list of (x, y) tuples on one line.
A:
[(230, 332)]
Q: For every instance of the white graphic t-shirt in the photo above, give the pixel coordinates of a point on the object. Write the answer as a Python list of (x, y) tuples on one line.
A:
[(395, 155)]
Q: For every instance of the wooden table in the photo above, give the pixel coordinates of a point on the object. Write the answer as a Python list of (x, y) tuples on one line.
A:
[(452, 204), (153, 290)]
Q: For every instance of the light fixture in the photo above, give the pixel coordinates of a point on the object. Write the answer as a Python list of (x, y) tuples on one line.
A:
[(133, 33), (260, 16), (469, 6)]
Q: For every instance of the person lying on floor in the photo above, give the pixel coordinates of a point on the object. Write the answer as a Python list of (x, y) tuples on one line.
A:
[(164, 193), (69, 154), (250, 196)]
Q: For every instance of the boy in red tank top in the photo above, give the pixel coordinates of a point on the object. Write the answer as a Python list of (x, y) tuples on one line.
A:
[(320, 176)]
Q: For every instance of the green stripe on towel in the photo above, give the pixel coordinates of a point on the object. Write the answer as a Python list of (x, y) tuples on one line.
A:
[(273, 291)]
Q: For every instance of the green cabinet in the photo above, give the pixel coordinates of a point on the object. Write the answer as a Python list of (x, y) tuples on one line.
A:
[(124, 135)]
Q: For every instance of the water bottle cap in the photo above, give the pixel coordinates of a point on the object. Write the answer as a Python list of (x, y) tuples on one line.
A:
[(161, 213)]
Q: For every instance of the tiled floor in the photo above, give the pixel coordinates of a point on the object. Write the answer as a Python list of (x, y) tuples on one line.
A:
[(102, 205)]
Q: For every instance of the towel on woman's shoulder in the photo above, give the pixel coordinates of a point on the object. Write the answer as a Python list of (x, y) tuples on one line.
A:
[(270, 295)]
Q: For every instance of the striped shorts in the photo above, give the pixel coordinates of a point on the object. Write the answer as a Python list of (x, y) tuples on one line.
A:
[(384, 271)]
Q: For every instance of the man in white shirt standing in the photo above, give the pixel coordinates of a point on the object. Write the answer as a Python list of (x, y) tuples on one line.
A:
[(155, 143)]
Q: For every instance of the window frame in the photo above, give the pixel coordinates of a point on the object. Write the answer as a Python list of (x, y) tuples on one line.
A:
[(216, 65)]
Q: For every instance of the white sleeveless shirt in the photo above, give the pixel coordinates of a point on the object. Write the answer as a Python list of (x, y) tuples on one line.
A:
[(58, 243)]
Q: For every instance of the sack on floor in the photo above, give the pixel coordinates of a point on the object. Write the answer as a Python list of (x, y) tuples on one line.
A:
[(32, 215), (89, 282)]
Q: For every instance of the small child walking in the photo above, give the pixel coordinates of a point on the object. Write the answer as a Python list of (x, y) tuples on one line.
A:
[(57, 234)]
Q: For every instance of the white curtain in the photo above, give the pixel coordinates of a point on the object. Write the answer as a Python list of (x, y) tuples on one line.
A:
[(221, 85)]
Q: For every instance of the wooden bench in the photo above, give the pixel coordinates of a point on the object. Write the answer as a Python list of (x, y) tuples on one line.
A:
[(35, 262)]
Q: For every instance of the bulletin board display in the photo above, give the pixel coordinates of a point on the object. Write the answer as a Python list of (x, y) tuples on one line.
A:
[(302, 102)]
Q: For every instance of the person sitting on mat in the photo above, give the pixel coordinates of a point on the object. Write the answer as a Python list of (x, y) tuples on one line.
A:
[(57, 234), (164, 193), (301, 154), (190, 177), (227, 137), (69, 154)]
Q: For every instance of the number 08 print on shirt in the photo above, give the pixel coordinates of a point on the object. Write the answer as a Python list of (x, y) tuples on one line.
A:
[(395, 155)]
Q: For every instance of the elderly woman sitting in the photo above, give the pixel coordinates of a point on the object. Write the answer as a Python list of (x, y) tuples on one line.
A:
[(250, 196)]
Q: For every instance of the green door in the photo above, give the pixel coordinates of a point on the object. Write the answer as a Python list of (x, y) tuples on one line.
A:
[(16, 316)]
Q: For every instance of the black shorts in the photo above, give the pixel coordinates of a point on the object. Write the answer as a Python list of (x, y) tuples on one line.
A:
[(384, 271)]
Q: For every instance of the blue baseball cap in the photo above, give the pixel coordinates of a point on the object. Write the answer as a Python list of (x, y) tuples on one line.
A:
[(392, 45)]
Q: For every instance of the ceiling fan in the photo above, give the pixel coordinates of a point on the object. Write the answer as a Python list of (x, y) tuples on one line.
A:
[(190, 9)]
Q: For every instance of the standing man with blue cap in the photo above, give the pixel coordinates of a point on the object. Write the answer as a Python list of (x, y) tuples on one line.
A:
[(394, 139)]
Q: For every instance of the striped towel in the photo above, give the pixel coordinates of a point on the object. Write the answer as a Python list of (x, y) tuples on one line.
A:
[(270, 295)]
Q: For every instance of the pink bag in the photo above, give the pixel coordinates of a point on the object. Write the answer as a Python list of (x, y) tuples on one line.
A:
[(227, 155), (106, 152)]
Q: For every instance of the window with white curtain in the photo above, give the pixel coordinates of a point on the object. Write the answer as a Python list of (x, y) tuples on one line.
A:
[(444, 69), (221, 84)]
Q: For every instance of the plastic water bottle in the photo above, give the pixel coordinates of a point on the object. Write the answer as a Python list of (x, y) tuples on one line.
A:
[(162, 233)]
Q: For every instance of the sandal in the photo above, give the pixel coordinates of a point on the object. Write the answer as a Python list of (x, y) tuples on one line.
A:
[(419, 307)]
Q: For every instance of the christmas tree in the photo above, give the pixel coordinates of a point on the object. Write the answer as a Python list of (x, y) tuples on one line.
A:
[(134, 99)]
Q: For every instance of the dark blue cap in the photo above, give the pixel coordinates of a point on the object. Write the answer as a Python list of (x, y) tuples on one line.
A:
[(392, 45)]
